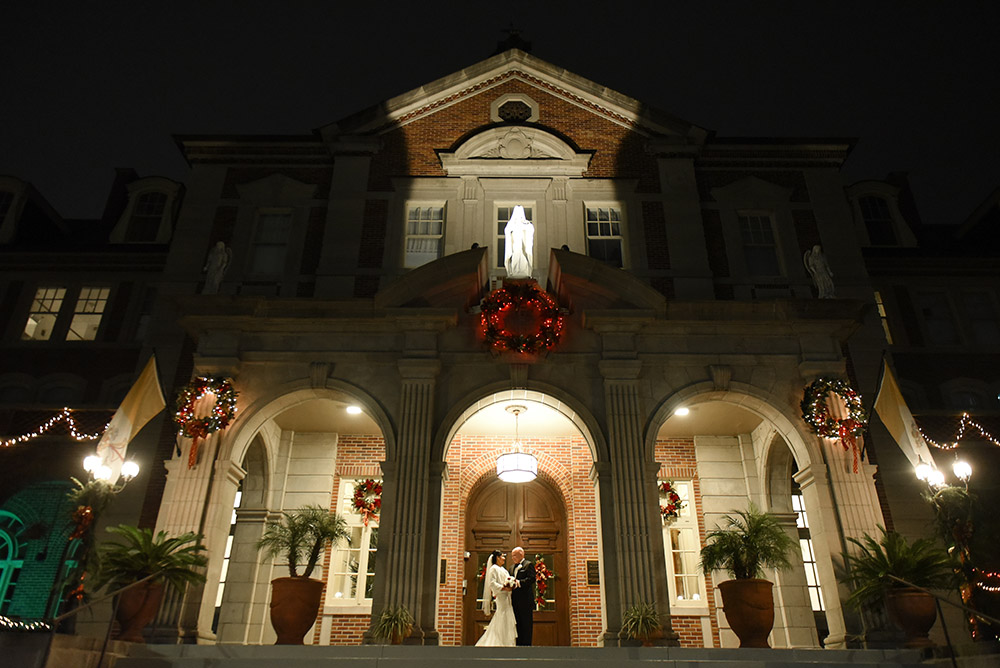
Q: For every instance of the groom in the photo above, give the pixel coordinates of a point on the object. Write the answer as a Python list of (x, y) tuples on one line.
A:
[(523, 596)]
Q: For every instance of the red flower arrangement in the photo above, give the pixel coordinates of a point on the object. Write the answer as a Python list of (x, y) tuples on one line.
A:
[(671, 510), (521, 318), (542, 577), (368, 499)]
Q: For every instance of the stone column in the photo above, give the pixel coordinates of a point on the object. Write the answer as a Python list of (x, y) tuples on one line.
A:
[(631, 499), (407, 556), (187, 503)]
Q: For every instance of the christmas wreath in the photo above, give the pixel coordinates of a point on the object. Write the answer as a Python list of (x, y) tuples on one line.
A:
[(521, 318), (222, 413), (671, 510), (542, 577), (817, 415), (368, 499)]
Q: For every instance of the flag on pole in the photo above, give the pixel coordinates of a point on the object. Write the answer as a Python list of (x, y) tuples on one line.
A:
[(140, 405), (896, 416)]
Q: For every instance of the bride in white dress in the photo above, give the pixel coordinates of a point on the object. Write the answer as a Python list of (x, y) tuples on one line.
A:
[(501, 631)]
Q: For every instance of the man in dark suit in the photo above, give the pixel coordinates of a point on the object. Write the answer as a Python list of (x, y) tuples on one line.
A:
[(523, 596)]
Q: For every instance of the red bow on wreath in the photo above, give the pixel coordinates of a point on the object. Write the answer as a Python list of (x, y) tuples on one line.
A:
[(368, 499)]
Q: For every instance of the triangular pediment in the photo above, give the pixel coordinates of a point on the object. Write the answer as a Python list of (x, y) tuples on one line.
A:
[(539, 75)]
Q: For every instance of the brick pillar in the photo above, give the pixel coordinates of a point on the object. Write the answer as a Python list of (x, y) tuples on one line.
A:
[(630, 503), (408, 557)]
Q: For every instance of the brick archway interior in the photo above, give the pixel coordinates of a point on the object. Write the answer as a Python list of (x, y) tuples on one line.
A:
[(565, 462)]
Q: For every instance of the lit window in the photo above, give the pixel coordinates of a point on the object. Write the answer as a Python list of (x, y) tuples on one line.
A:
[(44, 311), (604, 234), (878, 220), (226, 558), (683, 546), (352, 566), (270, 244), (939, 319), (87, 315), (424, 231), (147, 213), (503, 217), (881, 314), (759, 247), (808, 554)]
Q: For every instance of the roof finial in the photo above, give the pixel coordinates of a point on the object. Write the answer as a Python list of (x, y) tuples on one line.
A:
[(513, 41)]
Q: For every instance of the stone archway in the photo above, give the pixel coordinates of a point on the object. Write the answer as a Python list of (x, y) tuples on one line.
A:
[(501, 516)]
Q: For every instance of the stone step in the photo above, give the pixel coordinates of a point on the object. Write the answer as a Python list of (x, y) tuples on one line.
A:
[(388, 656)]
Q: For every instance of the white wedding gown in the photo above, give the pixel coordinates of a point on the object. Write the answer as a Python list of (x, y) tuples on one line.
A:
[(501, 631)]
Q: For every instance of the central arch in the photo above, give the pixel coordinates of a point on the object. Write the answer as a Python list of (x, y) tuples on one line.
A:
[(502, 516)]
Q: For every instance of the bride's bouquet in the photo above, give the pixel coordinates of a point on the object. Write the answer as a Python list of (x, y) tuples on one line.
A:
[(510, 582)]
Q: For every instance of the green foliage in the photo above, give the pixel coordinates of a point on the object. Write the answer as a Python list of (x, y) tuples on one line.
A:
[(922, 563), (394, 624), (749, 542), (303, 534), (640, 621), (140, 555), (96, 494)]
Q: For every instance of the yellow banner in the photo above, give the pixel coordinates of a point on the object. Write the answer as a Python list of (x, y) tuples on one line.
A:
[(896, 416), (139, 406)]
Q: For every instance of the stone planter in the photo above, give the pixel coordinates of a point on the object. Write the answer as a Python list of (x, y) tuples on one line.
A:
[(137, 607), (749, 607), (914, 612), (294, 606)]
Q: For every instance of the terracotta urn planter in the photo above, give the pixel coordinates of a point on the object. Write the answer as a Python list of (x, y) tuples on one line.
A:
[(914, 612), (137, 607), (749, 607), (294, 606)]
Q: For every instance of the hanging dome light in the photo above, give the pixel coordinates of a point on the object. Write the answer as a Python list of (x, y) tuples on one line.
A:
[(517, 465)]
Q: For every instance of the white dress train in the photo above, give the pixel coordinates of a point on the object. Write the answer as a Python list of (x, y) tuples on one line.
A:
[(501, 631)]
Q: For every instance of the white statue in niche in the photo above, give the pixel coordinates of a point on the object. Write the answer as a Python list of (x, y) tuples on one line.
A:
[(215, 267), (519, 242), (819, 269)]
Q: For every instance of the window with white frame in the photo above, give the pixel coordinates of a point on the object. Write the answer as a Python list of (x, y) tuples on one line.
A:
[(226, 557), (352, 566), (43, 314), (880, 305), (682, 547), (604, 234), (269, 251), (147, 213), (806, 546), (87, 314), (759, 248), (503, 217), (938, 316), (878, 220), (981, 321), (424, 234)]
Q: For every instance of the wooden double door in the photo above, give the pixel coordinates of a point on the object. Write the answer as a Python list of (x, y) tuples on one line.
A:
[(502, 516)]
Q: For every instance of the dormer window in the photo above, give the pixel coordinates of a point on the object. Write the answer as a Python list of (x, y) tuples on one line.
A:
[(6, 199), (878, 220), (147, 214)]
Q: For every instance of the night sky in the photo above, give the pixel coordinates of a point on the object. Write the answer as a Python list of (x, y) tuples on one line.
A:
[(90, 86)]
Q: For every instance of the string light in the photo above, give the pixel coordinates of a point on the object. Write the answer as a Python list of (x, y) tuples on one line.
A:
[(65, 415), (987, 575), (8, 624), (963, 425)]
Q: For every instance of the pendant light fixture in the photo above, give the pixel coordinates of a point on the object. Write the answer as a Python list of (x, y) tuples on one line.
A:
[(517, 465)]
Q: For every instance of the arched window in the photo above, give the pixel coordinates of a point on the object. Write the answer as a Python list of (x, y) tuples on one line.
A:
[(11, 557), (147, 213)]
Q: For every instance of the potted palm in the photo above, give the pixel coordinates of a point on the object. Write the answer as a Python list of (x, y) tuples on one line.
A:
[(170, 561), (641, 622), (393, 625), (299, 537), (749, 542), (897, 572)]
